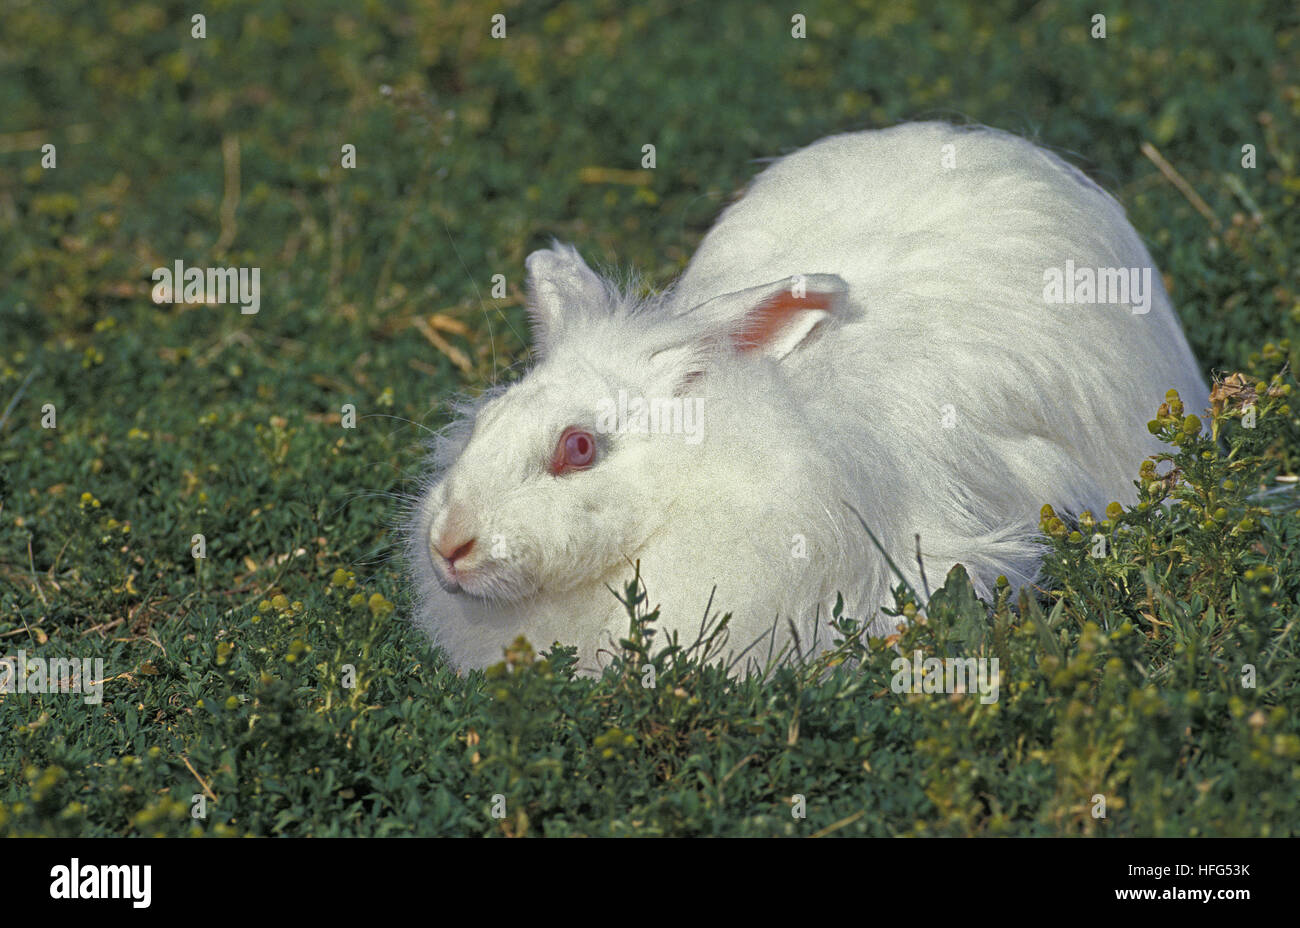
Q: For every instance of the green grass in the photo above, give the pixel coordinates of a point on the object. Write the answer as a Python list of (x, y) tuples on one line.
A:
[(226, 675)]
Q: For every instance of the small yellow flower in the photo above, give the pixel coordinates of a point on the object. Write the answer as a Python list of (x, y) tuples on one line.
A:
[(379, 607)]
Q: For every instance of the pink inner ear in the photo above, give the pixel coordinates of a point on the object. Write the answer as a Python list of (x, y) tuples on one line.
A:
[(774, 314)]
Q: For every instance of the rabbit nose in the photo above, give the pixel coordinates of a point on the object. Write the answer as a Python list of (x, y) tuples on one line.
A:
[(454, 549), (455, 537)]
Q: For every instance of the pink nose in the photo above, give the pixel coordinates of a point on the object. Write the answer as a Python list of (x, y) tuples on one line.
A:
[(453, 550), (456, 536)]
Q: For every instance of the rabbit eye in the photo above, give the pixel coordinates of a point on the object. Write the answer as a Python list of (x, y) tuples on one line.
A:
[(575, 450)]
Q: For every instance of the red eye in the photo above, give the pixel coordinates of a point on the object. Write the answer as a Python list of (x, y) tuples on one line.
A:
[(575, 450)]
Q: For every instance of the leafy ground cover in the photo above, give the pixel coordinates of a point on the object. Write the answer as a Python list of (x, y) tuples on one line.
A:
[(275, 679)]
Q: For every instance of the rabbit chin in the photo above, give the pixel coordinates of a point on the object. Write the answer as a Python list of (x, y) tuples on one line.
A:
[(474, 632), (488, 584)]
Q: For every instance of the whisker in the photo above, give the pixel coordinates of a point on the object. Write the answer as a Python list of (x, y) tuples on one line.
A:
[(383, 415), (482, 306)]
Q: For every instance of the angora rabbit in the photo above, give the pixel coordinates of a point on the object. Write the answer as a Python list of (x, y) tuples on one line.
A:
[(943, 328)]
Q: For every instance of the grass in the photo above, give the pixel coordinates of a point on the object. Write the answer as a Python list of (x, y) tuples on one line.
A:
[(227, 676)]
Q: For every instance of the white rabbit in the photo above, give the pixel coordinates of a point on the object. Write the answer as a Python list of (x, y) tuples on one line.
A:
[(872, 324)]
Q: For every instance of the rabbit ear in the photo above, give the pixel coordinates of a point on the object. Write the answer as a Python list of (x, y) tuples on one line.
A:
[(772, 319), (560, 284)]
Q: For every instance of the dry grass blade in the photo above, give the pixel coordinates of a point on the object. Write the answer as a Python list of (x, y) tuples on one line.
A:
[(452, 353), (1181, 184)]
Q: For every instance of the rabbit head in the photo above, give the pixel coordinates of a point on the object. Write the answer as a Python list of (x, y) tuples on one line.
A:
[(549, 485)]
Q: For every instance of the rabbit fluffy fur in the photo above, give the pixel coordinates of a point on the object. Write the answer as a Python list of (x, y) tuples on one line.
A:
[(919, 376)]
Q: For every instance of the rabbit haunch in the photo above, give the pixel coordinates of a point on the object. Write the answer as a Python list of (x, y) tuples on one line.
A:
[(866, 327)]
